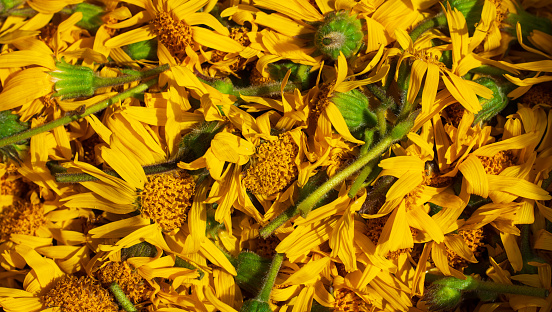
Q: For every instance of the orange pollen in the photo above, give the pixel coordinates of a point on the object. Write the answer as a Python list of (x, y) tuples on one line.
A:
[(166, 199), (347, 300), (538, 94), (497, 163), (10, 184), (454, 113), (83, 294), (22, 217), (172, 33), (265, 247), (375, 227), (273, 167), (132, 284)]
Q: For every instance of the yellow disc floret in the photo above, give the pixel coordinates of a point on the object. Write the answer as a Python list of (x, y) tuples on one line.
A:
[(74, 294), (166, 199), (273, 166), (132, 284)]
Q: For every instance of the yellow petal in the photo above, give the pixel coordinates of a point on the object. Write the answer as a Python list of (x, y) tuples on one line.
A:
[(308, 272), (516, 186), (216, 41), (512, 250), (132, 36), (475, 176)]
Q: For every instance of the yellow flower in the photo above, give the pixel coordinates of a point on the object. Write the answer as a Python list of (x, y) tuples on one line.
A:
[(174, 25)]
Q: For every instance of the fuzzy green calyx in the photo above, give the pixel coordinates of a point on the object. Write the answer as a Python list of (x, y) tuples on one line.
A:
[(354, 108), (491, 107), (10, 125), (91, 16), (340, 32), (440, 298), (72, 81)]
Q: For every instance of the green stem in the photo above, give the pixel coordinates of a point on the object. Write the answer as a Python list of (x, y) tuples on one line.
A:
[(100, 82), (264, 294), (62, 177), (268, 89), (438, 20), (386, 101), (282, 218), (382, 122), (119, 294), (362, 176), (511, 289), (305, 206), (70, 118)]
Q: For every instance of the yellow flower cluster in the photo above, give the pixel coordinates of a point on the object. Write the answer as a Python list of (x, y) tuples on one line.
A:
[(269, 155)]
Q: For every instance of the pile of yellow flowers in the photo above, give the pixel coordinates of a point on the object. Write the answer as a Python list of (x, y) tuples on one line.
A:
[(275, 155)]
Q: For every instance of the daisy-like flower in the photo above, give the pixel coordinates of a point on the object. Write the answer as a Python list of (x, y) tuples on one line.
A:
[(174, 25)]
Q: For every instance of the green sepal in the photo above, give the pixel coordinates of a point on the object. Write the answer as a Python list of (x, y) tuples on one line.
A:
[(72, 81), (299, 72), (251, 270), (340, 32), (529, 22), (491, 107), (438, 297), (354, 108), (91, 16), (143, 50), (254, 305)]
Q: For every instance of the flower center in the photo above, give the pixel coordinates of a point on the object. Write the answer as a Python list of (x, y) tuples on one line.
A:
[(22, 217), (132, 284), (347, 300), (79, 294), (497, 163), (474, 240), (166, 199), (274, 166), (173, 34)]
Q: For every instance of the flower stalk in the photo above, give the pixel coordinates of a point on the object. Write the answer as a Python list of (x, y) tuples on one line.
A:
[(261, 302), (122, 299)]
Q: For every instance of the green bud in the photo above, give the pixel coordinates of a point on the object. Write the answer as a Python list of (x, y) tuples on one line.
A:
[(254, 305), (439, 298), (491, 107), (143, 50), (72, 81), (194, 144), (354, 108), (251, 269), (91, 16), (143, 249), (10, 125), (224, 86), (340, 32)]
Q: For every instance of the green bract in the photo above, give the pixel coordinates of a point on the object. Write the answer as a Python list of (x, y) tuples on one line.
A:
[(353, 105), (72, 81), (340, 32), (491, 107)]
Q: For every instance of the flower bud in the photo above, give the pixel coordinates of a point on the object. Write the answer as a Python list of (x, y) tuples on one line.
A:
[(143, 50), (340, 32), (354, 108), (251, 269), (91, 16), (491, 107), (10, 125), (72, 81)]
